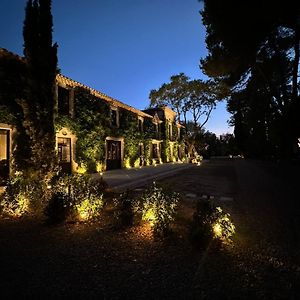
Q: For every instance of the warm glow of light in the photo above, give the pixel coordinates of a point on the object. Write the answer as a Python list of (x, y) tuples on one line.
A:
[(127, 163), (137, 163), (81, 169), (149, 215), (84, 215), (217, 230), (16, 208), (83, 209), (99, 167), (89, 209), (223, 228)]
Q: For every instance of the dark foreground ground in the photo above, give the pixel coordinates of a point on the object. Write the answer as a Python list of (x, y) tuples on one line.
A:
[(95, 261)]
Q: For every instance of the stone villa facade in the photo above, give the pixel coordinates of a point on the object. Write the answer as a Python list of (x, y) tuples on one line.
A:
[(157, 135)]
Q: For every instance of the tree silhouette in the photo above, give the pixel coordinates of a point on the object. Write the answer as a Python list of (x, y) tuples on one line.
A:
[(254, 48), (39, 103)]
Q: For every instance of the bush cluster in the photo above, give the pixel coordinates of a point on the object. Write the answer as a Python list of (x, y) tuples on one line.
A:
[(159, 207), (75, 196), (23, 196), (209, 224), (79, 197), (126, 208)]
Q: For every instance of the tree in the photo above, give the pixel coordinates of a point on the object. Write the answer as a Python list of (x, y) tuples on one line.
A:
[(254, 46), (195, 97), (39, 102), (185, 96), (173, 94)]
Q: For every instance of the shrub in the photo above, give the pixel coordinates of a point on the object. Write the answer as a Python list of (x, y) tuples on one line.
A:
[(90, 208), (58, 209), (223, 227), (210, 224), (126, 207), (23, 196), (15, 207), (201, 232), (85, 195), (159, 208)]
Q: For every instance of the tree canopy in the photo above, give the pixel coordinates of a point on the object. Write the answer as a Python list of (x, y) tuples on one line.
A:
[(196, 98), (254, 49)]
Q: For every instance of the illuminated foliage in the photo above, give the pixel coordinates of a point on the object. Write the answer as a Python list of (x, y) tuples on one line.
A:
[(159, 208), (76, 196), (23, 195), (18, 207), (223, 228), (90, 208), (127, 163), (210, 223), (82, 169)]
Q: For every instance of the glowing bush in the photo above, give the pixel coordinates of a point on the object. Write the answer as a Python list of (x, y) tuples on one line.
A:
[(81, 194), (21, 195), (99, 167), (159, 208), (154, 162), (127, 163), (16, 207), (210, 223), (223, 228), (82, 169), (137, 163), (90, 208)]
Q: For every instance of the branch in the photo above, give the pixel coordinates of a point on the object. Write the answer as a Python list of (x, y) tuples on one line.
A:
[(207, 116)]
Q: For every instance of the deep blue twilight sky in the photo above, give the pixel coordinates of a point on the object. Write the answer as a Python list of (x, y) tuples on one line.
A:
[(124, 48)]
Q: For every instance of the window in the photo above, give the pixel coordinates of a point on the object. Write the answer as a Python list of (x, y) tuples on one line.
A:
[(114, 117), (64, 150), (63, 99), (140, 125)]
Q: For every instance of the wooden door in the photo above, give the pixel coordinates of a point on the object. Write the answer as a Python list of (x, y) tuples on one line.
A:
[(113, 155)]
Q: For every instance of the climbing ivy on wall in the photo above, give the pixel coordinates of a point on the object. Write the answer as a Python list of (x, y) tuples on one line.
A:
[(91, 125)]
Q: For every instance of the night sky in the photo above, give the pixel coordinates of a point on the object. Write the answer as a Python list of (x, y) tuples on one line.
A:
[(123, 48)]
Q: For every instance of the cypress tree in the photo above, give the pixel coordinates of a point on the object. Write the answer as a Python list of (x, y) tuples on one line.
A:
[(38, 107)]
